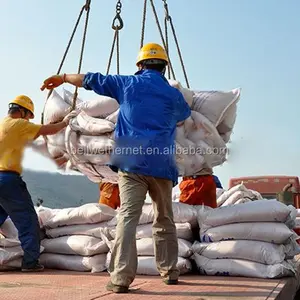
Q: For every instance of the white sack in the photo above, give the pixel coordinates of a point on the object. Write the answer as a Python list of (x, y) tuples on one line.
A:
[(39, 145), (95, 145), (97, 173), (208, 141), (55, 151), (243, 268), (242, 200), (261, 252), (277, 233), (147, 265), (215, 105), (45, 213), (183, 213), (100, 107), (145, 247), (83, 229), (55, 108), (184, 231), (219, 192), (75, 245), (113, 117), (239, 197), (254, 211), (226, 194), (57, 140), (9, 243), (95, 126), (95, 264), (90, 213), (187, 93), (10, 254), (8, 229), (69, 97)]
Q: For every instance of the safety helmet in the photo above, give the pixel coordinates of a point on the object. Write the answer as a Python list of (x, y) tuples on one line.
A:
[(152, 51), (24, 102)]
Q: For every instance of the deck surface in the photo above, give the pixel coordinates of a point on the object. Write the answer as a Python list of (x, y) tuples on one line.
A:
[(64, 285)]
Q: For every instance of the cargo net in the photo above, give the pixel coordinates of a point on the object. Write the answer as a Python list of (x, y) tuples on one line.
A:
[(88, 141)]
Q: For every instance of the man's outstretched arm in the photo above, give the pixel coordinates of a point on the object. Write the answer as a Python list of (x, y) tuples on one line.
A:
[(107, 85), (57, 80)]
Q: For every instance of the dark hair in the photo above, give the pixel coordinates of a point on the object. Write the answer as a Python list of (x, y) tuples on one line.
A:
[(157, 65), (14, 108)]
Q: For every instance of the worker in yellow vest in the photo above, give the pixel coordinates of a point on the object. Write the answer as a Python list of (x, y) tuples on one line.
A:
[(109, 194), (16, 131)]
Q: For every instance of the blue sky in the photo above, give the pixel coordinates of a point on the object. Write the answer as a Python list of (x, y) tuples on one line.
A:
[(225, 44)]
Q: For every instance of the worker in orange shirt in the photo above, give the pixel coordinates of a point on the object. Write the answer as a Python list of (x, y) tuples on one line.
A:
[(109, 194), (199, 189)]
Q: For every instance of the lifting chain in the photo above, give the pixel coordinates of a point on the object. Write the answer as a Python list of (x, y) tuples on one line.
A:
[(86, 8), (168, 18), (117, 25)]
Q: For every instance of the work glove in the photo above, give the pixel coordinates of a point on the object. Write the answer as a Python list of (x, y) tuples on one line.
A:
[(70, 116), (53, 82)]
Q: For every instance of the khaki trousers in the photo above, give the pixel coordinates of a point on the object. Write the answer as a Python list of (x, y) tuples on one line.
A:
[(133, 191)]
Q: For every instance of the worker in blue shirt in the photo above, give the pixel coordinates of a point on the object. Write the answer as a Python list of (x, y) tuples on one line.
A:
[(150, 110)]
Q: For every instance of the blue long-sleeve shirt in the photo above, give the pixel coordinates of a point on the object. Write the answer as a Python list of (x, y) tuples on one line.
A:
[(145, 131)]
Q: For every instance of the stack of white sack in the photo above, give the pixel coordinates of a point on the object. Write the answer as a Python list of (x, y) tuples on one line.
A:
[(252, 239), (11, 252), (73, 237), (185, 218), (85, 145), (236, 195)]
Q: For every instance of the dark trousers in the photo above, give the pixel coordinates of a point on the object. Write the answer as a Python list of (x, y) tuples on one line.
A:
[(16, 202)]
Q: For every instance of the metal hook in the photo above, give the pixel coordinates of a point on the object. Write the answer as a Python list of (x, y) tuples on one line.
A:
[(115, 20)]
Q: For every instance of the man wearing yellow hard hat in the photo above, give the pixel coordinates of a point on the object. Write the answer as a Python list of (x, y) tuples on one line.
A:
[(144, 157), (16, 131)]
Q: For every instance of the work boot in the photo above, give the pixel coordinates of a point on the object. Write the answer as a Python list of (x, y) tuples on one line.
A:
[(118, 289), (170, 281), (37, 268)]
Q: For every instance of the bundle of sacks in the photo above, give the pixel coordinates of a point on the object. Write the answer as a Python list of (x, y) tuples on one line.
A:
[(80, 238), (71, 239), (85, 145), (236, 195), (252, 239), (185, 218)]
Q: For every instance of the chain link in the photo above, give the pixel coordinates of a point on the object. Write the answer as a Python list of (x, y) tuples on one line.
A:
[(118, 19), (116, 41), (118, 7)]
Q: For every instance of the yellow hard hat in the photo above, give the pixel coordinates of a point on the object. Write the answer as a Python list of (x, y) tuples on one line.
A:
[(152, 51), (25, 102)]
